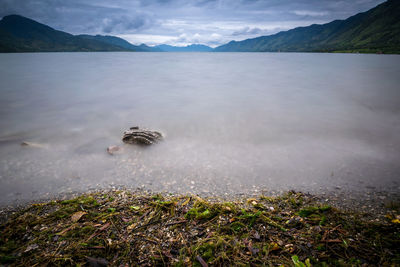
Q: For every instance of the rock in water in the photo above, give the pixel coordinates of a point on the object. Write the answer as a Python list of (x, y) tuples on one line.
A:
[(141, 136), (31, 144), (113, 149)]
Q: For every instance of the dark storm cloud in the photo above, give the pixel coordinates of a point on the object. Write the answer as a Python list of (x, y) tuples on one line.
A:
[(182, 22)]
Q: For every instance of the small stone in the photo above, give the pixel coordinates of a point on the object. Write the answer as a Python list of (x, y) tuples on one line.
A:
[(31, 247), (113, 149)]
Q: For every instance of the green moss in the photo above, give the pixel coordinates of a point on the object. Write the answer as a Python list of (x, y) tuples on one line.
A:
[(298, 263), (202, 210), (70, 206), (80, 232), (249, 217), (65, 212), (237, 227), (206, 251), (168, 206), (269, 199), (306, 212), (229, 207), (111, 209), (157, 197), (204, 215)]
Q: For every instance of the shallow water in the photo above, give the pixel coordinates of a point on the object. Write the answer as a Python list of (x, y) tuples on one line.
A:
[(234, 122)]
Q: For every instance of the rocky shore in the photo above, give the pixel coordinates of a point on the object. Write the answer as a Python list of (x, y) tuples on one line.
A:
[(128, 228)]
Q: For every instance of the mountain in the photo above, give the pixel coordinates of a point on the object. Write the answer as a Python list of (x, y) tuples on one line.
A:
[(20, 34), (146, 48), (112, 40), (189, 48), (377, 30)]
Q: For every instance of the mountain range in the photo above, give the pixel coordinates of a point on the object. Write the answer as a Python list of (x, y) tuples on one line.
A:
[(377, 30), (20, 34), (116, 41)]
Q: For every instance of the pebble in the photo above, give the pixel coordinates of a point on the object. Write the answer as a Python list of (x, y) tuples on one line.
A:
[(31, 247)]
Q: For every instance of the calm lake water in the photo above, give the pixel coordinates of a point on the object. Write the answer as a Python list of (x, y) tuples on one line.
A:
[(233, 122)]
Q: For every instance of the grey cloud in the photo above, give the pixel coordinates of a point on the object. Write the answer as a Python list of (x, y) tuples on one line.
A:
[(79, 16), (177, 3), (310, 13), (247, 31), (145, 3), (197, 38), (126, 24), (206, 2)]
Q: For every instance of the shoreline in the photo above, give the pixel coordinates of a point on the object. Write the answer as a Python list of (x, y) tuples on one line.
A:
[(371, 200), (142, 228)]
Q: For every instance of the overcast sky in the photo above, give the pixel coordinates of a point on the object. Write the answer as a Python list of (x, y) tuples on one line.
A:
[(182, 22)]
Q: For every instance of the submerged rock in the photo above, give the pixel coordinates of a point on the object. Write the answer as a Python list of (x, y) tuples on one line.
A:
[(141, 136), (31, 144)]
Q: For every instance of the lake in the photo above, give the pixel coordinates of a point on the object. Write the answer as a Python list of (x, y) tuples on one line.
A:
[(233, 122)]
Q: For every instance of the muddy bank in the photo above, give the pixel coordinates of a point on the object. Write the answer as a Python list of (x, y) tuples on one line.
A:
[(120, 228)]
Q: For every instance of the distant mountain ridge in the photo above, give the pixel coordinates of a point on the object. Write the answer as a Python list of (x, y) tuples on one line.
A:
[(20, 34), (374, 31), (377, 30), (112, 40)]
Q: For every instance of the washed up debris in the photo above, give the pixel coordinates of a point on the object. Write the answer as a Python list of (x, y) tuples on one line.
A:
[(113, 150), (141, 136), (31, 247), (202, 262), (77, 216), (124, 228)]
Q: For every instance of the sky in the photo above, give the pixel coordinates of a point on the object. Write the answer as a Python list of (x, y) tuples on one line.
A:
[(183, 22)]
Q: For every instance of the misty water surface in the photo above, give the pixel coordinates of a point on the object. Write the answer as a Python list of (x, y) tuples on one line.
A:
[(233, 122)]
